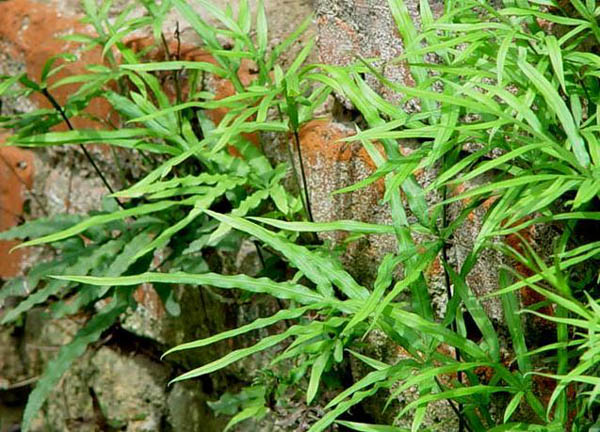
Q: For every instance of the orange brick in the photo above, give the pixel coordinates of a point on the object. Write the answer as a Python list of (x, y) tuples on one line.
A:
[(16, 176)]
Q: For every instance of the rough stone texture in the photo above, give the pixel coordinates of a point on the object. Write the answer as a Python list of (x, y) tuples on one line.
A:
[(330, 165), (439, 417), (12, 368), (366, 28), (347, 28), (43, 337), (130, 390), (182, 397), (70, 407)]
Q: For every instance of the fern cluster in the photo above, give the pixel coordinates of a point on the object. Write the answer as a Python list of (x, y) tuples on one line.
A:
[(512, 98)]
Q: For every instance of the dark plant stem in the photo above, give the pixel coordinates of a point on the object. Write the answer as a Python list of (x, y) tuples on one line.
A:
[(178, 57), (447, 282), (457, 410), (176, 73), (302, 189), (261, 257), (87, 154), (303, 176)]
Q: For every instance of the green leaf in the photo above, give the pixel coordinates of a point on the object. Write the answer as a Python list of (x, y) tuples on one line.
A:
[(331, 416), (496, 162), (371, 362), (23, 286), (512, 406), (41, 227), (80, 136), (282, 290), (250, 203), (256, 412), (510, 427), (315, 375), (413, 275), (262, 28), (288, 41), (8, 83), (510, 306), (238, 355), (398, 371), (555, 54), (426, 374), (586, 192), (322, 271), (221, 16), (255, 325), (244, 19), (93, 221), (556, 104), (280, 198), (502, 53), (201, 203), (454, 393), (341, 225), (120, 265), (416, 322), (364, 427), (385, 274), (229, 404), (87, 261), (558, 19), (175, 65), (476, 310), (158, 186), (496, 187)]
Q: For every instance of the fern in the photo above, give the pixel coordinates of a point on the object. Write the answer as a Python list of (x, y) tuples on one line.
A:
[(506, 106)]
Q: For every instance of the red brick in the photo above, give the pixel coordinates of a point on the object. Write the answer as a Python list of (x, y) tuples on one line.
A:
[(16, 177)]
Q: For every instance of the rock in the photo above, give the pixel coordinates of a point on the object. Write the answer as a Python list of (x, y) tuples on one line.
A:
[(188, 411), (366, 28), (129, 389), (44, 337), (12, 368), (331, 165), (70, 406)]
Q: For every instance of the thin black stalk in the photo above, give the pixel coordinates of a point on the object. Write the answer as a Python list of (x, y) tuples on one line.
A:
[(89, 157), (169, 57), (302, 174), (178, 57), (260, 254), (174, 75), (303, 191), (461, 423)]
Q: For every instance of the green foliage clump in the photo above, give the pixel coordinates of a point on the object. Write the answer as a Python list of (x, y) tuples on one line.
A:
[(507, 94)]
